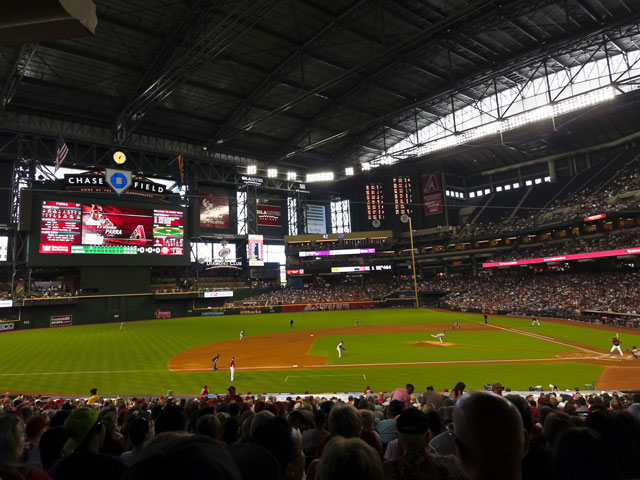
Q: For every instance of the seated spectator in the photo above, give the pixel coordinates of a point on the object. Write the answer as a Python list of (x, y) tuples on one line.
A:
[(209, 426), (582, 453), (387, 427), (34, 428), (489, 436), (175, 455), (11, 449), (555, 424), (254, 461), (232, 396), (368, 433), (348, 459), (138, 431), (51, 445), (312, 438), (415, 462), (431, 397), (621, 434), (277, 436), (80, 452), (171, 419), (112, 444), (539, 455)]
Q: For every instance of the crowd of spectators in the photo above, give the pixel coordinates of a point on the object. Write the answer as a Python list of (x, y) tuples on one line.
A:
[(402, 435), (582, 203), (550, 294), (556, 294), (591, 243), (324, 293)]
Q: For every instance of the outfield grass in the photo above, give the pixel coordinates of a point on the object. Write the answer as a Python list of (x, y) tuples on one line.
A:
[(134, 361)]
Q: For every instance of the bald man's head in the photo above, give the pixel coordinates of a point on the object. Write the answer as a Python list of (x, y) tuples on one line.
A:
[(490, 437)]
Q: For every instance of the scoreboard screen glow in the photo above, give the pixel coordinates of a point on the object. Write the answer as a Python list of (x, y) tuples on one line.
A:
[(102, 229)]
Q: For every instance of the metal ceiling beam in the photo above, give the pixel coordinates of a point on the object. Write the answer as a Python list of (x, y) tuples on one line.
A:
[(197, 40), (431, 46), (394, 55), (290, 63), (509, 64), (20, 66)]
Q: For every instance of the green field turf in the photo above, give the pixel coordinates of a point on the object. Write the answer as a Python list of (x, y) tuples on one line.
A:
[(72, 360)]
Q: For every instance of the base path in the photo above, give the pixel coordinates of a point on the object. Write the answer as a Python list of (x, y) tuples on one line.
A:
[(618, 378), (288, 348)]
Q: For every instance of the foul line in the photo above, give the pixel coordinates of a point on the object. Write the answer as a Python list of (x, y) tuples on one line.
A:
[(542, 337), (299, 367), (333, 375)]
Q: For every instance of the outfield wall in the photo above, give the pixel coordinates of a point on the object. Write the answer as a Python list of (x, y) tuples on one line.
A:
[(85, 310)]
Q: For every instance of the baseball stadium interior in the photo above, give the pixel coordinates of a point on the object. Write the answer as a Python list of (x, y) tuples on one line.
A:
[(217, 193)]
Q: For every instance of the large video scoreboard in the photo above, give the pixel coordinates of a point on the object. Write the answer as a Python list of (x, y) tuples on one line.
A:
[(98, 232)]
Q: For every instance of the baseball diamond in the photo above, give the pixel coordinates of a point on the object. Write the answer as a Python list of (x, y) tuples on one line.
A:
[(149, 355)]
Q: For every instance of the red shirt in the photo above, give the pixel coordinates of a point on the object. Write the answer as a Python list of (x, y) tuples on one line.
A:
[(232, 363), (616, 341)]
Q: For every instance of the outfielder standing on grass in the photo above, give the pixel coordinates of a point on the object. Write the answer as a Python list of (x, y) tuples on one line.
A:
[(616, 345), (340, 348), (242, 334)]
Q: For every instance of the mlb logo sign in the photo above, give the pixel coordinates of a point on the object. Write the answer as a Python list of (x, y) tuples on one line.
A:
[(431, 183)]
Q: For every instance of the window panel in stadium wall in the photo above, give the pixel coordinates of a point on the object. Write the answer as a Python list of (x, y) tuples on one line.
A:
[(432, 193), (214, 211)]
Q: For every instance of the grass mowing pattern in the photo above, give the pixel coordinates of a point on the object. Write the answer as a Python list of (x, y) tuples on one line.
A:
[(398, 347), (134, 361)]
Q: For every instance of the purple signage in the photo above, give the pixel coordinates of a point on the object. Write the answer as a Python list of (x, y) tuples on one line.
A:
[(349, 251)]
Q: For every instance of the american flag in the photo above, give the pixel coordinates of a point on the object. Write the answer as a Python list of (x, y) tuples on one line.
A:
[(61, 152)]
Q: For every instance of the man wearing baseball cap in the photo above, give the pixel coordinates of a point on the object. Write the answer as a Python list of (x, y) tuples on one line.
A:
[(232, 396), (417, 462), (81, 459)]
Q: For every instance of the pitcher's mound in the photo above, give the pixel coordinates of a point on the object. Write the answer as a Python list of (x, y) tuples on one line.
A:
[(429, 343)]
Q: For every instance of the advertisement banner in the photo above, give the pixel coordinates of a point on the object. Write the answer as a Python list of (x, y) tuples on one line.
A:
[(218, 294), (269, 215), (61, 320), (313, 307), (564, 258), (255, 250), (433, 204), (7, 326), (214, 211)]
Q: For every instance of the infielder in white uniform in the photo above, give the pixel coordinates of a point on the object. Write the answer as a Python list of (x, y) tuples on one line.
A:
[(340, 348), (242, 335), (439, 336), (535, 322)]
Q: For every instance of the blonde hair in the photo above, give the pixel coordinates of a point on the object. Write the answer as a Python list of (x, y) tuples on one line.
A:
[(344, 421), (368, 419)]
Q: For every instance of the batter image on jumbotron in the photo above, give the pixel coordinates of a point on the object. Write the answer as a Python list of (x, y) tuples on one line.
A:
[(110, 225)]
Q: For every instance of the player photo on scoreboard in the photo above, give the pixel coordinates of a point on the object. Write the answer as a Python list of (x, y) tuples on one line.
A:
[(109, 225)]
